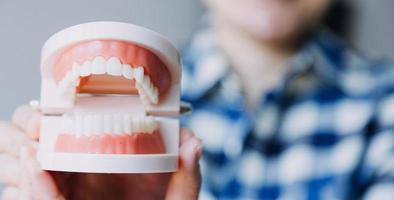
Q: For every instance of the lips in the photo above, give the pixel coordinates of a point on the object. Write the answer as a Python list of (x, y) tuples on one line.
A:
[(140, 68)]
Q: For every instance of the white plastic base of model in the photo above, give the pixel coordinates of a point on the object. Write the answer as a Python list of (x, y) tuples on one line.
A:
[(108, 163)]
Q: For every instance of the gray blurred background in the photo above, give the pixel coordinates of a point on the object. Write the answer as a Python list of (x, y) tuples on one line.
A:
[(25, 25)]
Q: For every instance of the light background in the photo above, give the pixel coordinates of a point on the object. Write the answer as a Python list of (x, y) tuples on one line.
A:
[(26, 24)]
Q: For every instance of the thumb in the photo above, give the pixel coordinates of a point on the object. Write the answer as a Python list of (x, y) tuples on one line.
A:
[(36, 183), (186, 182)]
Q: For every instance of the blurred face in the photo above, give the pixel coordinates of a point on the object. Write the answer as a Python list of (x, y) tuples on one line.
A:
[(269, 19)]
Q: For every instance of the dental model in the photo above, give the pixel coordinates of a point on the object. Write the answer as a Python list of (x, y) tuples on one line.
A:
[(109, 98)]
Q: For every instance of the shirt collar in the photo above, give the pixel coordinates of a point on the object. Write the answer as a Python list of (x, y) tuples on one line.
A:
[(324, 54)]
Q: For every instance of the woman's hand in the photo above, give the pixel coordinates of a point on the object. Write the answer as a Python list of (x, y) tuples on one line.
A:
[(21, 173)]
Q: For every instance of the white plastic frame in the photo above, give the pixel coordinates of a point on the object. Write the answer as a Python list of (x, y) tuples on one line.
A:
[(53, 104)]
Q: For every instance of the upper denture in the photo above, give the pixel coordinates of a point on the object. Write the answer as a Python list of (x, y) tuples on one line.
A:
[(128, 54)]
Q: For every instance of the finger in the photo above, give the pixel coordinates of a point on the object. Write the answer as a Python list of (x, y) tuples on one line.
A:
[(24, 183), (10, 193), (28, 120), (11, 139), (186, 182), (41, 183), (190, 153), (185, 135), (10, 170)]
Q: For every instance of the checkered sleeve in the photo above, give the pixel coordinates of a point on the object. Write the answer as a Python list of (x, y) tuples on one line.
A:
[(377, 174)]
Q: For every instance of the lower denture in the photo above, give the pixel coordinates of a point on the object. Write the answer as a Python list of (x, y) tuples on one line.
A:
[(137, 143)]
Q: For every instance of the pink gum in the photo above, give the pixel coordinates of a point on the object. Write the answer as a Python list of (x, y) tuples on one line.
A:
[(131, 54), (140, 143)]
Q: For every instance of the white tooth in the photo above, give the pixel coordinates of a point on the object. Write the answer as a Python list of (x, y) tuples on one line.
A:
[(142, 125), (70, 93), (143, 96), (146, 83), (155, 100), (98, 65), (86, 69), (127, 71), (151, 89), (63, 85), (145, 101), (73, 76), (155, 97), (155, 125), (135, 125), (114, 67), (69, 77), (88, 125), (75, 71), (138, 86), (127, 124), (147, 125), (138, 74), (108, 124), (72, 126), (152, 124), (66, 88), (76, 82), (78, 125), (67, 80), (98, 126), (155, 90), (150, 93), (70, 98), (118, 124)]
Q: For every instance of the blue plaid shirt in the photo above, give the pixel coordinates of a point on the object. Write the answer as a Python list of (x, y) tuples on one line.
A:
[(325, 132)]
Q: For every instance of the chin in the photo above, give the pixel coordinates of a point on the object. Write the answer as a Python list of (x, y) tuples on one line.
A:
[(274, 32), (272, 28), (267, 24), (270, 20)]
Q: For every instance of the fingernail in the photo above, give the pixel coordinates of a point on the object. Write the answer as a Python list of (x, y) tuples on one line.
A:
[(198, 152), (197, 149), (188, 153)]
